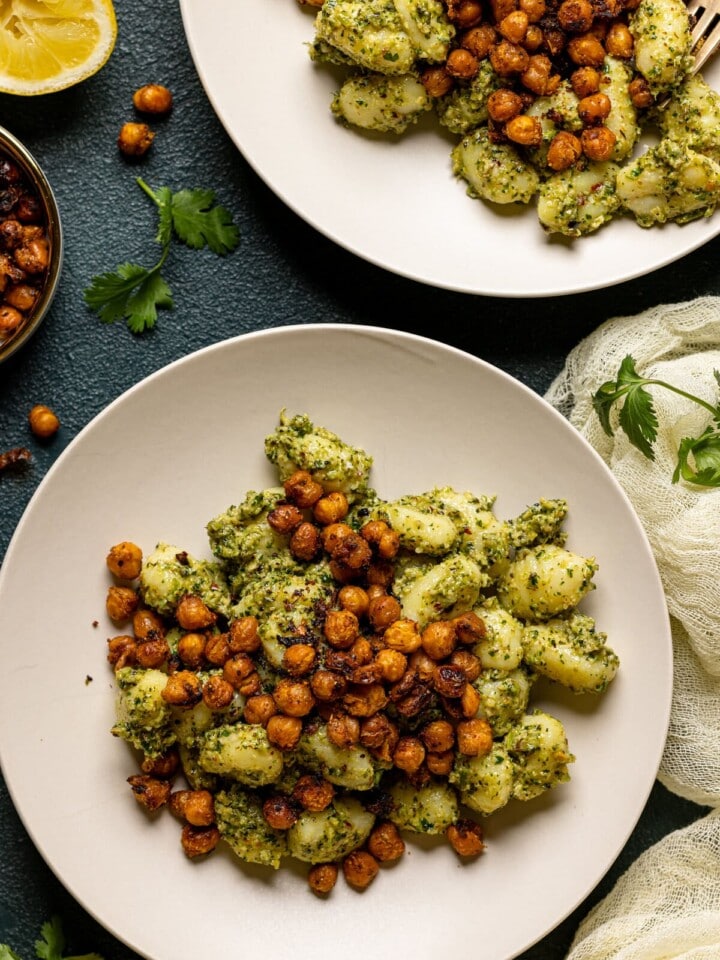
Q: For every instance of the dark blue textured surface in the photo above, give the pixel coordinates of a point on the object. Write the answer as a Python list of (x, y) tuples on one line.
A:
[(283, 272)]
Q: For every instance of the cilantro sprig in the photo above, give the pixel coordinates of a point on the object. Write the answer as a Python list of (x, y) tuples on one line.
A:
[(135, 293), (698, 457), (50, 946)]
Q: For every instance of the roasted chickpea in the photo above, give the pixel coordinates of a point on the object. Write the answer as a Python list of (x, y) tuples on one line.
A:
[(182, 689), (509, 58), (437, 81), (576, 16), (380, 573), (474, 737), (322, 877), (438, 736), (217, 649), (449, 681), (121, 603), (468, 663), (285, 518), (251, 685), (377, 730), (299, 659), (534, 10), (354, 599), (366, 700), (440, 764), (237, 668), (124, 560), (537, 75), (353, 552), (342, 730), (586, 51), (280, 812), (293, 697), (135, 139), (514, 26), (385, 842), (192, 613), (284, 732), (33, 256), (333, 535), (409, 754), (313, 793), (165, 766), (503, 105), (302, 490), (598, 143), (470, 628), (217, 693), (341, 629), (467, 13), (191, 649), (594, 108), (382, 611), (533, 38), (466, 838), (244, 637), (392, 664), (585, 81), (403, 636), (480, 40), (195, 806), (640, 93), (524, 130), (150, 792), (461, 64), (259, 709), (122, 651), (305, 542), (564, 150), (153, 98), (151, 654), (439, 639), (360, 869), (422, 665), (501, 8), (199, 841), (147, 625), (331, 508), (327, 685), (22, 297), (619, 41), (469, 701)]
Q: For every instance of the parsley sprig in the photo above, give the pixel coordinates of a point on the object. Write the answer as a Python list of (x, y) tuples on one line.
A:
[(135, 293), (698, 457), (50, 946)]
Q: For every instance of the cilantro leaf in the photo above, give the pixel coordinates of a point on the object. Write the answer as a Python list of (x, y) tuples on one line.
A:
[(132, 293), (165, 221), (705, 452), (151, 295), (198, 223), (52, 944), (637, 418), (7, 953)]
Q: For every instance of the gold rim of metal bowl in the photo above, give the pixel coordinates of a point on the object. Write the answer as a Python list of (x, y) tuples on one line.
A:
[(18, 152)]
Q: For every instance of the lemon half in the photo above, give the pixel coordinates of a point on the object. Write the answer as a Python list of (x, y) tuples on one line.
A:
[(47, 45)]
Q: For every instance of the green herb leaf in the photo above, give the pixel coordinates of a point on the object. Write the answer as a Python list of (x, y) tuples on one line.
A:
[(165, 221), (7, 953), (52, 944), (637, 418), (705, 452), (198, 223), (133, 293)]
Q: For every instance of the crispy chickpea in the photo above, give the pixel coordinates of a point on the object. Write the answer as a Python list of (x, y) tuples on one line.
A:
[(279, 812), (327, 685), (360, 869), (244, 637), (437, 81), (44, 424), (392, 664), (564, 150), (313, 793), (182, 689), (509, 58), (501, 8), (385, 842), (440, 764), (640, 93), (480, 40), (586, 51), (598, 142), (333, 535), (135, 139), (380, 573), (438, 736), (331, 508), (199, 841), (147, 625), (388, 545), (534, 10), (302, 490), (469, 701), (537, 75), (122, 651), (153, 98), (382, 611), (284, 732), (409, 754), (299, 659), (322, 877), (362, 652), (503, 105), (353, 552), (341, 629), (525, 131), (470, 628), (33, 256), (237, 668), (151, 654), (121, 603), (585, 81), (217, 649), (619, 41), (514, 26), (342, 730), (403, 635), (365, 701), (192, 613), (217, 693), (285, 518), (439, 639), (354, 599), (466, 837), (449, 681), (191, 649), (575, 16), (22, 296), (533, 38), (251, 685), (305, 542), (468, 663), (165, 766), (461, 64), (195, 806), (259, 709), (293, 697), (594, 108), (150, 792), (422, 665), (467, 13), (124, 559), (474, 737)]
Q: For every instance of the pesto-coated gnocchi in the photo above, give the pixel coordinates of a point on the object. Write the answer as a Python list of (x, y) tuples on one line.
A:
[(347, 667)]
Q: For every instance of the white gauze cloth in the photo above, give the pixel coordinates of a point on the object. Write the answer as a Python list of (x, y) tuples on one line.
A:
[(667, 905)]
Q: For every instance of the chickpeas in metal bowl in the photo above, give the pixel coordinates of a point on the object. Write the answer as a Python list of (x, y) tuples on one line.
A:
[(30, 244)]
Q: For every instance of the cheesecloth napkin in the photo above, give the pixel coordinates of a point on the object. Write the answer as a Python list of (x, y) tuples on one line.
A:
[(667, 905)]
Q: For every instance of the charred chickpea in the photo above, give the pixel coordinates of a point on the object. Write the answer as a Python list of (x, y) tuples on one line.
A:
[(150, 792), (586, 51), (165, 766), (594, 108), (124, 560), (341, 629), (525, 131), (365, 701), (509, 58), (217, 649), (461, 64), (280, 812), (576, 16), (305, 542), (467, 14), (466, 837), (313, 793), (503, 105), (153, 98), (377, 730), (469, 701), (333, 535), (121, 603), (251, 685), (361, 652), (284, 732), (470, 628), (195, 806), (437, 81), (440, 764), (438, 736), (332, 508), (327, 685), (534, 10), (439, 639), (217, 693), (382, 611), (147, 625), (403, 636), (474, 737), (199, 841), (243, 635), (342, 730), (480, 40), (182, 689), (192, 613), (585, 81), (135, 139), (237, 668), (354, 599), (122, 651), (302, 490), (293, 697), (299, 659), (380, 573), (449, 681), (152, 653), (564, 150), (353, 552), (409, 754), (392, 664), (191, 649), (285, 518), (598, 142), (619, 41), (468, 663), (259, 709), (385, 842), (360, 869), (640, 93), (537, 75), (514, 26), (322, 877)]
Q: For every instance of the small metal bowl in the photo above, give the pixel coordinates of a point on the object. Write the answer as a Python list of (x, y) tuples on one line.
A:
[(14, 150)]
